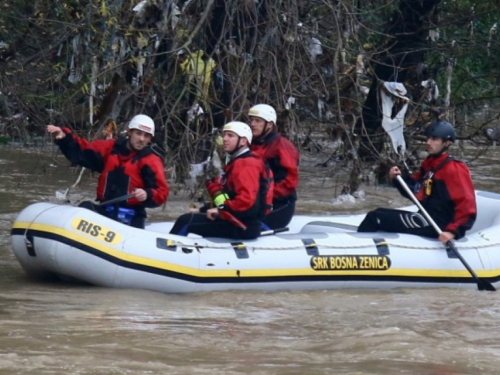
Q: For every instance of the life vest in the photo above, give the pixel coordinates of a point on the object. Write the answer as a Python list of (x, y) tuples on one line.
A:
[(122, 171), (423, 188), (262, 203), (444, 187), (283, 159)]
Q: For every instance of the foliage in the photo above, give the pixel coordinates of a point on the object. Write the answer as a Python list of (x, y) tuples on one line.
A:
[(82, 63), (470, 43)]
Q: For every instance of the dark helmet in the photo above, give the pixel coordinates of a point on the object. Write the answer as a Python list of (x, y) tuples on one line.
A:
[(441, 129)]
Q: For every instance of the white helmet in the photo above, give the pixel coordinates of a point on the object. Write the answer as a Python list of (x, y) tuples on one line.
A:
[(143, 123), (240, 128), (263, 111)]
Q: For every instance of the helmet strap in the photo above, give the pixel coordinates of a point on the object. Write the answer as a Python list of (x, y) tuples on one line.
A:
[(236, 148), (265, 131), (443, 150)]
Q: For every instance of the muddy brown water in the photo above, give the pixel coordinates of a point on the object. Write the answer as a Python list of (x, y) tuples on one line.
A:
[(54, 328)]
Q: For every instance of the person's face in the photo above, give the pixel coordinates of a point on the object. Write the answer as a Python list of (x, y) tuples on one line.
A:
[(257, 125), (230, 141), (436, 145), (137, 139)]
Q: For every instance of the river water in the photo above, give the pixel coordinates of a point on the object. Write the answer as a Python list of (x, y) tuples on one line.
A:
[(54, 328)]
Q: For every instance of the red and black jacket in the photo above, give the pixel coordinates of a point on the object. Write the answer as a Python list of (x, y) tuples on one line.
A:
[(248, 183), (283, 158), (121, 170), (451, 199)]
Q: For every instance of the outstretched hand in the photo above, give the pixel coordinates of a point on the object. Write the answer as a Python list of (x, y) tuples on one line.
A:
[(56, 131)]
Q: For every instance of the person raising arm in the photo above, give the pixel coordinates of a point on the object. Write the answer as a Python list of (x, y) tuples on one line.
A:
[(127, 165)]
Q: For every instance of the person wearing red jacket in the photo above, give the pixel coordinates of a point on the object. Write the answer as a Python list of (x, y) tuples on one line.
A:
[(443, 186), (126, 166), (242, 194), (282, 158)]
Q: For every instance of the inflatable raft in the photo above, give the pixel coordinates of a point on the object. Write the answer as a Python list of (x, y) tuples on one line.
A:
[(316, 253)]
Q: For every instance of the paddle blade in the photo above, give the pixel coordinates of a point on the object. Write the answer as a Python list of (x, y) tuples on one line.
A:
[(481, 283), (485, 285)]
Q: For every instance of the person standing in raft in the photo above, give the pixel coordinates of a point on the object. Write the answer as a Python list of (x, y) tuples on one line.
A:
[(282, 157), (127, 165), (242, 194), (443, 186)]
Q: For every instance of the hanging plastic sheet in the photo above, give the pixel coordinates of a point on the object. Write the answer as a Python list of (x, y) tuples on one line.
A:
[(394, 105)]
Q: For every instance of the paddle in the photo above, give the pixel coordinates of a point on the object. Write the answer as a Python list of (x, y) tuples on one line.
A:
[(481, 284), (273, 231), (232, 219), (116, 200)]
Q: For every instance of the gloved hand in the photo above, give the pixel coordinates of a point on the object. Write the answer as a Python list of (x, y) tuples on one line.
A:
[(216, 192), (214, 187)]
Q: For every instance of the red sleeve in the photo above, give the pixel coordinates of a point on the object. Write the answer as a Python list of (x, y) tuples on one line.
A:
[(155, 182), (461, 190), (289, 160), (245, 178), (87, 154)]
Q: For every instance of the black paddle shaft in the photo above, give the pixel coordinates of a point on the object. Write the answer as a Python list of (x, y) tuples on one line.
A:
[(117, 200)]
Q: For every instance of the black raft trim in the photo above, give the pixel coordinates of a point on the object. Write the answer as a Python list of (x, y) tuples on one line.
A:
[(242, 279), (382, 246), (311, 246), (240, 250)]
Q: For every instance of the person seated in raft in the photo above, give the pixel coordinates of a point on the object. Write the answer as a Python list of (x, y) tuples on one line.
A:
[(282, 157), (242, 194), (443, 186), (127, 165)]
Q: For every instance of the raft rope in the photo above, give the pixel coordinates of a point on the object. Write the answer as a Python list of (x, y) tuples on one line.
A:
[(323, 246)]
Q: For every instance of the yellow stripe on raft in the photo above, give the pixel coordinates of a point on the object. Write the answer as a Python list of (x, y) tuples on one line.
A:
[(242, 273), (118, 254)]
